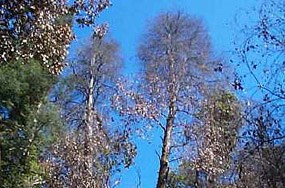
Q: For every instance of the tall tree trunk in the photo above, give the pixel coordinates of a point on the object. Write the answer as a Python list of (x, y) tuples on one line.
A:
[(88, 120), (165, 151), (164, 162)]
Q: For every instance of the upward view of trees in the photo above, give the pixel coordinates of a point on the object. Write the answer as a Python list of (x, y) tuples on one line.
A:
[(79, 127)]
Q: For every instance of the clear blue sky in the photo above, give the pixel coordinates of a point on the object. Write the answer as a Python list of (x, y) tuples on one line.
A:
[(128, 20)]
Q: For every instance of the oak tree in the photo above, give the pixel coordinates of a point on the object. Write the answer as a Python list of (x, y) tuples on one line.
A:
[(42, 29)]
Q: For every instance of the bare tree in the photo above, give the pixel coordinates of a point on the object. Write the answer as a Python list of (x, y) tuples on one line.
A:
[(176, 56), (92, 150), (177, 67)]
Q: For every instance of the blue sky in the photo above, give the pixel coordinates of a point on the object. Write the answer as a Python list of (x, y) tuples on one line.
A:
[(128, 20)]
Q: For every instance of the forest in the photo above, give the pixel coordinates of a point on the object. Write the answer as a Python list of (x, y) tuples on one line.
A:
[(78, 122)]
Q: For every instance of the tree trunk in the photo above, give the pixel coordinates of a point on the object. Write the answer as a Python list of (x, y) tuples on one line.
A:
[(196, 183), (164, 163), (165, 151), (88, 122)]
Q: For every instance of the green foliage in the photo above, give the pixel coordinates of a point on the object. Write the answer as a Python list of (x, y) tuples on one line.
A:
[(28, 122), (23, 87), (183, 178), (216, 129)]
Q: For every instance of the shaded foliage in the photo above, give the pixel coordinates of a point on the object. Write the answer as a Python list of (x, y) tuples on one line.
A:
[(264, 167), (28, 123)]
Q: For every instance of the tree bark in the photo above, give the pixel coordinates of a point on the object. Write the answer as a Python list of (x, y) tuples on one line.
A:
[(164, 162), (88, 120), (165, 151)]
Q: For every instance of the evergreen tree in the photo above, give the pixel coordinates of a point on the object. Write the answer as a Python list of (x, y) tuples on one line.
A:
[(28, 123)]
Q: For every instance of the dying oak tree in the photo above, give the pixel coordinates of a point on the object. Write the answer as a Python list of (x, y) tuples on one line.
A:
[(216, 131), (261, 62), (42, 29), (176, 57), (95, 146), (261, 58)]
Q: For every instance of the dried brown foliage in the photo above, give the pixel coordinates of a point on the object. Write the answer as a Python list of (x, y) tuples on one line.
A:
[(42, 29)]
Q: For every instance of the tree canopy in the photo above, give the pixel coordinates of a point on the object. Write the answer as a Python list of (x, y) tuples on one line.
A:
[(42, 30), (215, 119)]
